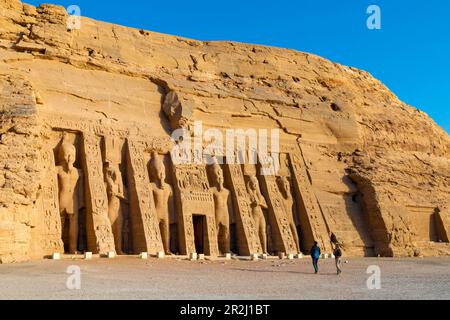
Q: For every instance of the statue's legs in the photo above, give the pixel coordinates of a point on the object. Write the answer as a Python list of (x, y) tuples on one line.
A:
[(223, 235), (73, 232), (116, 218), (165, 234), (295, 235), (117, 232)]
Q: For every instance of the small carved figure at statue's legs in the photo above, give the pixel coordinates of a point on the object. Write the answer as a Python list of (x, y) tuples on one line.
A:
[(165, 235), (73, 233), (295, 235), (261, 225)]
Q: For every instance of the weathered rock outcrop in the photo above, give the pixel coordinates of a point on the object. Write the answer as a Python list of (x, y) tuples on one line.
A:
[(361, 163)]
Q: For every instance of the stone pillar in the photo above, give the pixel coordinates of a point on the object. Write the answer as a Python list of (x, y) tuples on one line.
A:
[(144, 223), (247, 235), (49, 225), (312, 220), (99, 231), (281, 231)]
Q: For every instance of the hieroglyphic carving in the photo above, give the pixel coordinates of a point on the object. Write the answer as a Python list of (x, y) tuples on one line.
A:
[(101, 128), (195, 197), (307, 198), (248, 240), (211, 244), (145, 230), (50, 224), (102, 240), (284, 185), (189, 234), (281, 231)]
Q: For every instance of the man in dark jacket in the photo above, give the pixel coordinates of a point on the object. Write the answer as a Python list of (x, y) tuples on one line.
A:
[(315, 255)]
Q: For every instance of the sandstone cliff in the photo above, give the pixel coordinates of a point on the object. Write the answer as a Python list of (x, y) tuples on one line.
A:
[(378, 169)]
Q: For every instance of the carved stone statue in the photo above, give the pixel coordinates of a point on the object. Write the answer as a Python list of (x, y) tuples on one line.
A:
[(116, 194), (70, 192), (162, 194), (288, 202), (222, 202), (257, 203)]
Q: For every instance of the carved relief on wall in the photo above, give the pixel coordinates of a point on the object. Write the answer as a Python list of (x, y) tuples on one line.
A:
[(247, 232), (104, 128), (284, 185), (278, 217), (117, 190), (100, 235), (50, 225), (144, 220)]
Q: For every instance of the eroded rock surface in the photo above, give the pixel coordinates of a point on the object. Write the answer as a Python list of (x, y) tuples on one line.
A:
[(360, 162)]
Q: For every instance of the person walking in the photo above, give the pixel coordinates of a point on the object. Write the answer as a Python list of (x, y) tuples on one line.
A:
[(315, 255), (338, 256)]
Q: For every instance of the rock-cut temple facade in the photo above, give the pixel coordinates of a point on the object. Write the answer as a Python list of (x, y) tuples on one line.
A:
[(87, 118)]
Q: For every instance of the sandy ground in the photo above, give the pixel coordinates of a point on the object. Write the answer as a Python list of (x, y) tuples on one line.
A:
[(133, 278)]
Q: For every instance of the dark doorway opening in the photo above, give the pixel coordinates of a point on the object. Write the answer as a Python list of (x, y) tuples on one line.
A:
[(199, 222), (174, 238)]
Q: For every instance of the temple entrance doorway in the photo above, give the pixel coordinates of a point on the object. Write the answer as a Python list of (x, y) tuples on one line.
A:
[(199, 222)]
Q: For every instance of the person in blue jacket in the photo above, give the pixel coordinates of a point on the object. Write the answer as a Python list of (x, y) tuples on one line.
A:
[(315, 255)]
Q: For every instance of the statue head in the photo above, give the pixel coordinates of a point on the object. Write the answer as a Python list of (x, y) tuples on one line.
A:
[(253, 184), (217, 172), (284, 185), (219, 177), (67, 153), (111, 171), (158, 168)]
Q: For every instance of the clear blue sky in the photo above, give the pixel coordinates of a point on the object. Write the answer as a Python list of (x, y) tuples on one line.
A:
[(410, 54)]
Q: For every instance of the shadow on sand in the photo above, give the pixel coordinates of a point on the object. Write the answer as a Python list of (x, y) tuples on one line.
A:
[(281, 271)]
